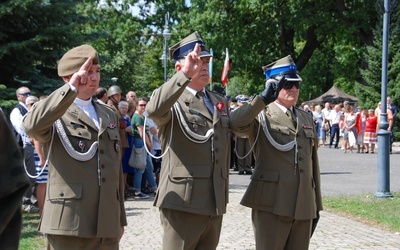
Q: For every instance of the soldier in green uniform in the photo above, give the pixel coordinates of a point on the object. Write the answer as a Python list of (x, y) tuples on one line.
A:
[(84, 207), (285, 191), (194, 132)]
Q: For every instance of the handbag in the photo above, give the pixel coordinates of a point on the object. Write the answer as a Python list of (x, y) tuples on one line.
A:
[(325, 126), (352, 139), (138, 157)]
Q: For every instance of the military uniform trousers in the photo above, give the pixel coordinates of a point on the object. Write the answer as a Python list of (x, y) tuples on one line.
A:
[(63, 242), (186, 231)]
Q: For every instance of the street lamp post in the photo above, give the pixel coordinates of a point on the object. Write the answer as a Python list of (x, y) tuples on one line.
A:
[(383, 133), (114, 79), (167, 35)]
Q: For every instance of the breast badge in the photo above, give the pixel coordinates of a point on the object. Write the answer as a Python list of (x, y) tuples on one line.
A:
[(81, 145)]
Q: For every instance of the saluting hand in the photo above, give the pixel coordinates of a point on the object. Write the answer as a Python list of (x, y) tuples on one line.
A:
[(80, 78), (193, 62)]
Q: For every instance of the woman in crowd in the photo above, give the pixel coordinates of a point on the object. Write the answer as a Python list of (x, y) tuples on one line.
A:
[(371, 126), (126, 124), (137, 125), (319, 120), (361, 118), (350, 123)]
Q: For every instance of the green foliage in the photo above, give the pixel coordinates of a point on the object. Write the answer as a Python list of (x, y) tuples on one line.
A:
[(328, 41), (369, 91), (33, 36)]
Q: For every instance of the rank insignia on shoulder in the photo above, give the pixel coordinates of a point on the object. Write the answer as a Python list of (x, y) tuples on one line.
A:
[(307, 127), (112, 125)]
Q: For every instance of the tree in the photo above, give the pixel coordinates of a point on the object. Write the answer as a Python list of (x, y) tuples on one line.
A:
[(33, 36), (317, 34), (369, 93)]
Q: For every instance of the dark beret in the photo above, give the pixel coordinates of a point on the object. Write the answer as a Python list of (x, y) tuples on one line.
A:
[(73, 60)]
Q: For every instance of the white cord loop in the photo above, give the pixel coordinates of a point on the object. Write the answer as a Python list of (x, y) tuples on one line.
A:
[(68, 146)]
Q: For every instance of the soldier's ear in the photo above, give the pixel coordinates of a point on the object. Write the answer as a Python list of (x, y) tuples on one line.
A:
[(66, 78), (178, 66)]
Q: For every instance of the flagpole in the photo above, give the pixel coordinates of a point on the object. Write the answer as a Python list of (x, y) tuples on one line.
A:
[(225, 71), (210, 69)]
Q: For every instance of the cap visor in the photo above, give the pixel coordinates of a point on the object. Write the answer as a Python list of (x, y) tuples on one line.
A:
[(293, 77)]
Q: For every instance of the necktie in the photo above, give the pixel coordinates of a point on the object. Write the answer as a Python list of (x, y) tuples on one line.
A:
[(290, 114), (206, 101)]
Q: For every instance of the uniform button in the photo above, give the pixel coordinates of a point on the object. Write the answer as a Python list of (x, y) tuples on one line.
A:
[(100, 137), (79, 133), (62, 93), (299, 147), (300, 158), (102, 166), (262, 176), (102, 151), (103, 179), (179, 84), (301, 171), (62, 194)]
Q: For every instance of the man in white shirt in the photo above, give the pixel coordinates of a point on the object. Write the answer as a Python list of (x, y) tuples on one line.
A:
[(29, 201), (334, 118)]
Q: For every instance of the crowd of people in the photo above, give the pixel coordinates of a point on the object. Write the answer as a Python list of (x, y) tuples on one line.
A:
[(78, 142), (351, 127)]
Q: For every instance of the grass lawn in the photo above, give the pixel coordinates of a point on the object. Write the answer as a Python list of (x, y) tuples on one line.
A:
[(379, 212), (30, 238)]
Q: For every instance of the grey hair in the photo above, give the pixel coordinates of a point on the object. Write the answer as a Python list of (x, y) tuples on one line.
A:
[(121, 103), (30, 99)]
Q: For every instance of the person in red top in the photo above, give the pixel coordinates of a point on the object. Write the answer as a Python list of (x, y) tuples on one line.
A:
[(371, 126)]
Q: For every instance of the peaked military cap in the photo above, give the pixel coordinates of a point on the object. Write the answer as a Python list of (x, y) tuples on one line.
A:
[(184, 47), (73, 60), (284, 66)]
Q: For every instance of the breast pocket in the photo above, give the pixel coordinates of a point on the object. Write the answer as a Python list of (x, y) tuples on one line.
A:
[(114, 143), (197, 124), (309, 134), (224, 132), (79, 137)]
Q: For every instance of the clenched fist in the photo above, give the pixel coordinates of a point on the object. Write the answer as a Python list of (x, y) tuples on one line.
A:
[(272, 88)]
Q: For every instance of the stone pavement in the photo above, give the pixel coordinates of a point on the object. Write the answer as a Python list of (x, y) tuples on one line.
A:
[(341, 174)]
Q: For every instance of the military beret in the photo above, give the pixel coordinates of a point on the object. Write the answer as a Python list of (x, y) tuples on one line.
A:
[(184, 47), (73, 60), (284, 66)]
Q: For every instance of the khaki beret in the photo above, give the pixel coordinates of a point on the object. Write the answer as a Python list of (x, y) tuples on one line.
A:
[(73, 60)]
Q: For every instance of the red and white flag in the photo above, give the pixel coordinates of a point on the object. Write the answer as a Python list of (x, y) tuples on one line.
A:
[(225, 70)]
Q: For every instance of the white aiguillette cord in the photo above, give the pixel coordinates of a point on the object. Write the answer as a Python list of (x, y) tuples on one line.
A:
[(281, 147), (68, 146)]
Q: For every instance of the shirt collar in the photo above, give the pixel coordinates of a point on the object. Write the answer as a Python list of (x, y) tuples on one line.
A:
[(83, 103)]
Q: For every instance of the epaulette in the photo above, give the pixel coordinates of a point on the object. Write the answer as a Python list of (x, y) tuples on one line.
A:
[(112, 108), (217, 93)]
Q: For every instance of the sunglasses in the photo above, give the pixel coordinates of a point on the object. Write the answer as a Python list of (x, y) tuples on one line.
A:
[(142, 105), (26, 94), (290, 84)]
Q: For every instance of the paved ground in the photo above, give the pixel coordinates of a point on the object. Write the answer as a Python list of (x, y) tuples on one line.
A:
[(341, 174)]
